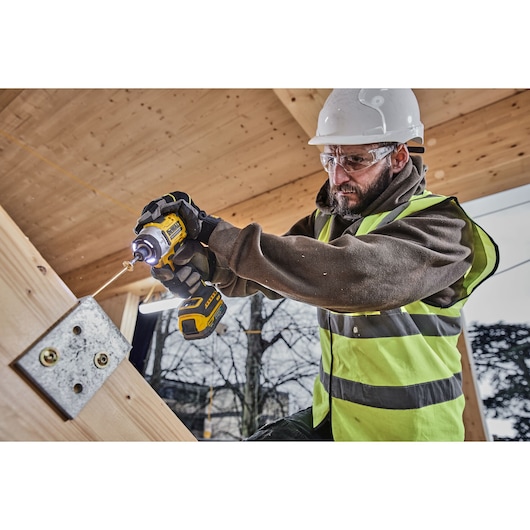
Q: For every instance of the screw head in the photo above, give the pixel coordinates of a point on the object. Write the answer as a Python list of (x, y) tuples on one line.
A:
[(101, 360), (48, 357)]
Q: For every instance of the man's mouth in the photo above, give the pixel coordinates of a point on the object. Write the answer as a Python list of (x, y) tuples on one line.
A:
[(345, 191)]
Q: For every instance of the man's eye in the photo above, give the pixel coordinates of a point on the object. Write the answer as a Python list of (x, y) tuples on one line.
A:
[(354, 163), (355, 159)]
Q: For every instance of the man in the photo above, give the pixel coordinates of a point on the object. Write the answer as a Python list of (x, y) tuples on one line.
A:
[(388, 265)]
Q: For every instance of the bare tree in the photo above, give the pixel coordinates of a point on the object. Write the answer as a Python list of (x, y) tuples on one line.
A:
[(263, 350), (501, 353)]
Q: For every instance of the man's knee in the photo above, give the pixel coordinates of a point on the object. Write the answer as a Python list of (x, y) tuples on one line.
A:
[(297, 427)]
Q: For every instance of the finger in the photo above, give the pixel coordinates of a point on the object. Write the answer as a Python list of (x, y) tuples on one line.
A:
[(177, 195), (185, 253), (162, 274), (150, 213), (171, 207), (189, 214), (202, 262), (184, 273), (190, 277)]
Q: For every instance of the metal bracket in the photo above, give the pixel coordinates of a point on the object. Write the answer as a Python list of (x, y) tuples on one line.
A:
[(70, 363)]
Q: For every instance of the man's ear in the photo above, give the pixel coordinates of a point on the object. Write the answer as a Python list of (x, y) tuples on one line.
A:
[(399, 158)]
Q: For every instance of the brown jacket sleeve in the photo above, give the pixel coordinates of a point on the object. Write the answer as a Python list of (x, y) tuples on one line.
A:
[(423, 256)]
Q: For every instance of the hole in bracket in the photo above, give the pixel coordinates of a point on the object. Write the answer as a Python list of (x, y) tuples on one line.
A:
[(76, 330), (78, 388)]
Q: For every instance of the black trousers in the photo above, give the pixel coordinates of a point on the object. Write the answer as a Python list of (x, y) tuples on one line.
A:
[(295, 428)]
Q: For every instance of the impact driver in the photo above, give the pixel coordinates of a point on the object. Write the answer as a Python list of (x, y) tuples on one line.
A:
[(156, 244)]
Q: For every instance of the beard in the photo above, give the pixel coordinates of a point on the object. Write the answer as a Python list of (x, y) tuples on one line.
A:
[(343, 207)]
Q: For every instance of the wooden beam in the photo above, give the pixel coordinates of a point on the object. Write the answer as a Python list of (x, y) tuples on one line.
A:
[(304, 105), (278, 209), (474, 421), (437, 106), (481, 153), (122, 309), (7, 96), (34, 298)]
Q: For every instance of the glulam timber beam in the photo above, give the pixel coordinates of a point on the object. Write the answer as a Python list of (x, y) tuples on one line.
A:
[(34, 298)]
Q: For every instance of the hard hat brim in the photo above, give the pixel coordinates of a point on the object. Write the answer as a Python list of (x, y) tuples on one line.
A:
[(363, 140)]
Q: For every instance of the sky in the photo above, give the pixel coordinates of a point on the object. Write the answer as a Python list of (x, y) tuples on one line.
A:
[(506, 295)]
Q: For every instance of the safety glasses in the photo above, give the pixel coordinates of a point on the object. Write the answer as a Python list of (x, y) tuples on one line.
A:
[(355, 162)]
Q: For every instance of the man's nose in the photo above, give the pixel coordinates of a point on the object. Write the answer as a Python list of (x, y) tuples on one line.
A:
[(338, 176)]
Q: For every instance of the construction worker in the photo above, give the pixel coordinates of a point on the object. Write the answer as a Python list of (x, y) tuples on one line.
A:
[(388, 264)]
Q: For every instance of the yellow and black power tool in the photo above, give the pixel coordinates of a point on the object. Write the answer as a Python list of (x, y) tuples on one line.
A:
[(156, 245)]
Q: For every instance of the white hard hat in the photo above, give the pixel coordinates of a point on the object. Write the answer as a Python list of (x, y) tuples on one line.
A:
[(369, 115)]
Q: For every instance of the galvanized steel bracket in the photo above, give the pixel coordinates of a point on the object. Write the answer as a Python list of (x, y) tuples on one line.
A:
[(70, 363)]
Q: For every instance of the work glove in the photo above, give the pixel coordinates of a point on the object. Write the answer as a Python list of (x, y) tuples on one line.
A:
[(199, 225), (183, 282), (192, 263), (194, 253), (153, 211)]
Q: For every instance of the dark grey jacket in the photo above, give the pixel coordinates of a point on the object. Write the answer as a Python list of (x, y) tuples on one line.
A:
[(421, 257)]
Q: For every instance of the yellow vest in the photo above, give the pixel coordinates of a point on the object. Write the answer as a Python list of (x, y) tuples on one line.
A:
[(396, 374)]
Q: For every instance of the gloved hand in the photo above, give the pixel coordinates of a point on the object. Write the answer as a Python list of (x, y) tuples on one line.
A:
[(194, 253), (153, 211), (193, 263), (199, 225), (184, 282)]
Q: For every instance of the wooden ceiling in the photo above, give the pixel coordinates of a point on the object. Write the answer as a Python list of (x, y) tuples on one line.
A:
[(79, 165)]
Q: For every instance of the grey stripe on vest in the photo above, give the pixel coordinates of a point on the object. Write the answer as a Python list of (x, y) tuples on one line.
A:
[(401, 208), (392, 323), (393, 214), (394, 397)]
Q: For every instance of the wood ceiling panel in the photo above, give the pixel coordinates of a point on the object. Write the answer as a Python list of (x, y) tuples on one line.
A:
[(476, 154), (304, 105), (113, 150), (110, 138), (438, 106), (7, 96), (483, 152)]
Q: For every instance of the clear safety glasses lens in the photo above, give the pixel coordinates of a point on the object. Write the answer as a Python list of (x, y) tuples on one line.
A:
[(355, 162)]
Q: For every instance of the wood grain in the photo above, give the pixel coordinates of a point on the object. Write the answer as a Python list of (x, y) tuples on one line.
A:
[(33, 299)]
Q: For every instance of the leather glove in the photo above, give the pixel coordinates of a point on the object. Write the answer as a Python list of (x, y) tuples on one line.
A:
[(199, 225)]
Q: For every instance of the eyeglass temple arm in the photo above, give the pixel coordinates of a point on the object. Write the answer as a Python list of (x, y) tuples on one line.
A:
[(415, 149)]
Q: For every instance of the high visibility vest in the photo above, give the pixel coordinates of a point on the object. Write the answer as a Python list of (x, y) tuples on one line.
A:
[(397, 374)]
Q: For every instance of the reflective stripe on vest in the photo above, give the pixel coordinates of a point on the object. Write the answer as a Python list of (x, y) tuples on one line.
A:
[(393, 397), (390, 324), (403, 365)]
